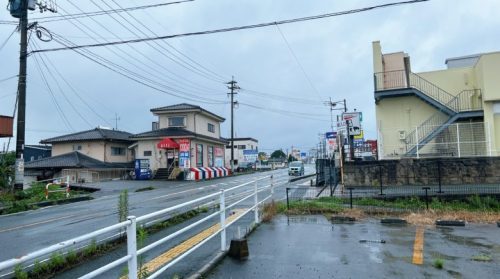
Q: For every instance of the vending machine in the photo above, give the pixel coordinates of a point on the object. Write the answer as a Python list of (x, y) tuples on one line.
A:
[(142, 170)]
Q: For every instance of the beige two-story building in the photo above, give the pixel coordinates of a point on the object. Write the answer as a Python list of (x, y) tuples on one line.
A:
[(86, 156), (452, 112), (185, 136)]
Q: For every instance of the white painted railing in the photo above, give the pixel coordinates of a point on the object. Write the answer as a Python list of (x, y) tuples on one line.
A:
[(131, 225)]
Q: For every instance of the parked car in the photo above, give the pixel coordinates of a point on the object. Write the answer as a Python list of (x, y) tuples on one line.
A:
[(245, 166), (296, 168)]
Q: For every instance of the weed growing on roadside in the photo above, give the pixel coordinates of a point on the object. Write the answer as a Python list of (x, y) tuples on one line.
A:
[(482, 258), (439, 263), (19, 273)]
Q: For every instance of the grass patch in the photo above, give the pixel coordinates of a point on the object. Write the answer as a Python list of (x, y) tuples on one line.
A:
[(438, 263), (27, 199), (149, 188), (269, 211), (481, 258)]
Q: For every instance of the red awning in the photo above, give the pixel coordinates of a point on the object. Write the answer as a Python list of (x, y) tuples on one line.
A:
[(167, 143)]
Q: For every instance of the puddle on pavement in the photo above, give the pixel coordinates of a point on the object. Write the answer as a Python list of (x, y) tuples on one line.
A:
[(454, 274), (465, 240)]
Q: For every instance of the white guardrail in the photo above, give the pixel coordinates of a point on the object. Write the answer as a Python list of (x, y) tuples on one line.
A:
[(131, 224)]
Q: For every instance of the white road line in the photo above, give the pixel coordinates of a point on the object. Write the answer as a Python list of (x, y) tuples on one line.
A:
[(37, 223)]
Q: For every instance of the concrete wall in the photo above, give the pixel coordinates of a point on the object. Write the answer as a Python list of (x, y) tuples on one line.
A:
[(454, 171)]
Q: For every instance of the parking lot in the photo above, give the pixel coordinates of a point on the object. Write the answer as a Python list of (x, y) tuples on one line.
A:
[(313, 247)]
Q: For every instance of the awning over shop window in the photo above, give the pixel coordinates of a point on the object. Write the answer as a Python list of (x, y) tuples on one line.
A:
[(167, 143)]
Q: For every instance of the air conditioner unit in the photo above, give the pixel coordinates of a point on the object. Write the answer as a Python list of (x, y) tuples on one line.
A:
[(402, 135)]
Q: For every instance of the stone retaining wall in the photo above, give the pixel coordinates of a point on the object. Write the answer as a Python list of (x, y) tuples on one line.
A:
[(451, 171)]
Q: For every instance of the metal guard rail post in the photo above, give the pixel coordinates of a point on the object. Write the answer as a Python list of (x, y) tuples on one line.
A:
[(130, 226)]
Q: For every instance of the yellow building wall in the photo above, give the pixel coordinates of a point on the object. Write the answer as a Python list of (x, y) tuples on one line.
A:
[(488, 71), (377, 57), (399, 114), (453, 80), (99, 150), (94, 149)]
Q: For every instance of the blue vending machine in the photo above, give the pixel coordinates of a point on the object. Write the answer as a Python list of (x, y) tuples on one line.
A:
[(142, 170)]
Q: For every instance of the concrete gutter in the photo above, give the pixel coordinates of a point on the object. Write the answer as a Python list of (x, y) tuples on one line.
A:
[(301, 177)]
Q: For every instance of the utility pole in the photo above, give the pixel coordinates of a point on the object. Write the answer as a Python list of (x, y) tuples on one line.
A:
[(233, 86), (21, 91)]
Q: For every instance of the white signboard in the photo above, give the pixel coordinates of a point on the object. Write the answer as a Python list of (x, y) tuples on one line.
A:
[(354, 121)]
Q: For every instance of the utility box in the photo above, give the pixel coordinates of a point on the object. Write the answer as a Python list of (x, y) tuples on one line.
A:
[(6, 126)]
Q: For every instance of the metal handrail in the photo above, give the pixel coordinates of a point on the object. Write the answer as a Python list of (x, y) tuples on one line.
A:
[(401, 79), (461, 103), (130, 225)]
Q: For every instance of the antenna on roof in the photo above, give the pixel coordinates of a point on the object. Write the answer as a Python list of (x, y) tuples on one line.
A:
[(116, 119)]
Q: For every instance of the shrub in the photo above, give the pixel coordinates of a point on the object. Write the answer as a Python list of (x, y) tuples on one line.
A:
[(439, 263)]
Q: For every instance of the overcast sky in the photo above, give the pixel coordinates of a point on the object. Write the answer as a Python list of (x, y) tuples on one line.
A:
[(333, 59)]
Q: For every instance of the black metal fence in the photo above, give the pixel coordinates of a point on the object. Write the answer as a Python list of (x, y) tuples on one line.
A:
[(326, 172), (348, 195)]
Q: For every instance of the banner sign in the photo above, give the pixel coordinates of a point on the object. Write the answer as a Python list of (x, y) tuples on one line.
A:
[(250, 155), (184, 159), (219, 152), (184, 145)]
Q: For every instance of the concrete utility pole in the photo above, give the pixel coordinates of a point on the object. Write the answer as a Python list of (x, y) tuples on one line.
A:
[(21, 91), (233, 86)]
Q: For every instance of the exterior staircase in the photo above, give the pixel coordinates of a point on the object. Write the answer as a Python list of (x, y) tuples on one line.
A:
[(163, 173), (464, 105)]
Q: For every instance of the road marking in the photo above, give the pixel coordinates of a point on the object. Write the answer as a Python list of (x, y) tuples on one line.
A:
[(418, 246), (176, 193), (37, 223), (178, 250)]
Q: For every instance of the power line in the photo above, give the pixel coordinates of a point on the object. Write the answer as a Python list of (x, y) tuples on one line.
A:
[(281, 98), (8, 78), (134, 76), (298, 62), (49, 71), (147, 68), (230, 29), (51, 93), (206, 70), (178, 60), (97, 13), (144, 69), (8, 38)]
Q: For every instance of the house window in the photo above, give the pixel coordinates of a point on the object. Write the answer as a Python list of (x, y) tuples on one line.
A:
[(211, 127), (117, 151), (210, 156), (77, 147), (199, 155), (147, 153), (242, 146), (177, 121)]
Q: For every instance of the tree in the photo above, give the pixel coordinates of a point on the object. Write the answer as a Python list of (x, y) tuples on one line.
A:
[(262, 156), (291, 158), (278, 154), (7, 161)]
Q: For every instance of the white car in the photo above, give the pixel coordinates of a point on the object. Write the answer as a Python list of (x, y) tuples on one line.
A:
[(296, 168)]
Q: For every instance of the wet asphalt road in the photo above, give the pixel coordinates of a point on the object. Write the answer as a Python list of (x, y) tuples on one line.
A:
[(311, 247), (28, 231)]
